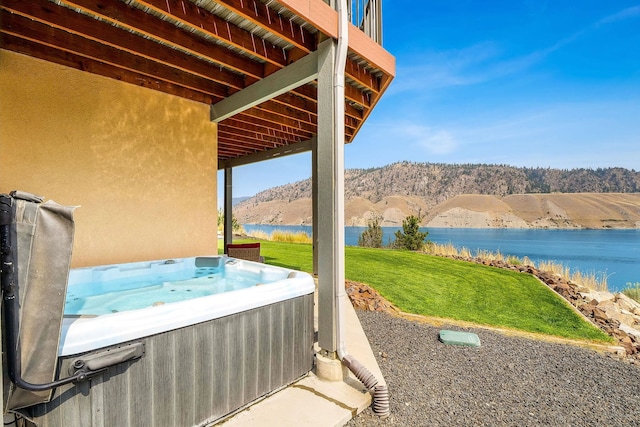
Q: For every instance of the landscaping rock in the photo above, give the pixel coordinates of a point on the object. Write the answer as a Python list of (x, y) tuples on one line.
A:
[(628, 304), (366, 298)]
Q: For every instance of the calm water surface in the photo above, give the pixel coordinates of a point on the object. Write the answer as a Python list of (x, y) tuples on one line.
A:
[(614, 253)]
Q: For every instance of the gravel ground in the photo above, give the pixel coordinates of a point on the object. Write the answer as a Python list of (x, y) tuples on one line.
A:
[(508, 381)]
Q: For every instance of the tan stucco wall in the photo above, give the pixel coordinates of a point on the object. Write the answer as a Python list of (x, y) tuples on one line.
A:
[(140, 164)]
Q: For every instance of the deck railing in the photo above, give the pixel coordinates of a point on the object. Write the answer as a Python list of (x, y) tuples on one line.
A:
[(366, 15)]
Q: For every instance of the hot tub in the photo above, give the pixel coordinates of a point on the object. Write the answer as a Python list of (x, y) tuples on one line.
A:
[(214, 334)]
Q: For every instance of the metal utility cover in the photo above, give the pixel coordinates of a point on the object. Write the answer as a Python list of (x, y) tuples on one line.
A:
[(459, 338)]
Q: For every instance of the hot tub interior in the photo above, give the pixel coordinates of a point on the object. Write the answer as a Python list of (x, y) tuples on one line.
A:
[(122, 287)]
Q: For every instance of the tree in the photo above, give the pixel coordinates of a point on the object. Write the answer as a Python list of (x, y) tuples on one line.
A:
[(235, 226), (372, 236), (411, 237)]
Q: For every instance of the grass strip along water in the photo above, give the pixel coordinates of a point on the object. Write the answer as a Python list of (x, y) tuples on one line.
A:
[(441, 287)]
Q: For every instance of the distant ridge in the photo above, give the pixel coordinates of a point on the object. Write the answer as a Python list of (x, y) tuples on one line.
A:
[(466, 195), (237, 200)]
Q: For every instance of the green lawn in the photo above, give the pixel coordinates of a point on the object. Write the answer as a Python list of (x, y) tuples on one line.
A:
[(442, 287)]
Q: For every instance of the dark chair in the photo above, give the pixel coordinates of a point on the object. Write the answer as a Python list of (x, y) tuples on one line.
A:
[(248, 251)]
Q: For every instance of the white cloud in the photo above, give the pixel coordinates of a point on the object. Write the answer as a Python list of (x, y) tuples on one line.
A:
[(433, 70), (482, 62), (629, 12), (428, 139), (437, 142)]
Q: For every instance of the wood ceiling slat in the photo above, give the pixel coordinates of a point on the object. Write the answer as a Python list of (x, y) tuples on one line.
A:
[(260, 14), (231, 148), (263, 140), (294, 34), (102, 32), (352, 112), (47, 53), (304, 105), (246, 142), (267, 125), (200, 19), (274, 118), (254, 126), (297, 102), (49, 36), (351, 122), (229, 153), (289, 112), (307, 91), (243, 143), (352, 93), (144, 23), (234, 147), (230, 132), (362, 76)]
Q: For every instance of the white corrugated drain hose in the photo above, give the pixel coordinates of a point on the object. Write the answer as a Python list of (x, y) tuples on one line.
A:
[(380, 392)]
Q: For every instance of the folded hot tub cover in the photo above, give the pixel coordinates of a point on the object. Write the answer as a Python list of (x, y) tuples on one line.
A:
[(44, 233)]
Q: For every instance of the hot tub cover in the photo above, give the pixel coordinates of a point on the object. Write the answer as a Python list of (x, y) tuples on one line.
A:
[(44, 234)]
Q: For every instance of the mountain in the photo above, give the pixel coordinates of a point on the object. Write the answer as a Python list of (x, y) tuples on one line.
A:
[(466, 195), (236, 200)]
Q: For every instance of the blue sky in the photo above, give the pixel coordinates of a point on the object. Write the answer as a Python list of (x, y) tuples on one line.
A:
[(523, 83)]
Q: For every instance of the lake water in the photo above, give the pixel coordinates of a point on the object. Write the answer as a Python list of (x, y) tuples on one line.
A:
[(615, 253)]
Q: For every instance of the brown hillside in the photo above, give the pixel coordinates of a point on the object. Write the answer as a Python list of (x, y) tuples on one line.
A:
[(583, 210), (466, 196)]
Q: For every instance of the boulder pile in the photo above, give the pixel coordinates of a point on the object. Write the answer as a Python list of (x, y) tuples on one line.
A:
[(365, 298)]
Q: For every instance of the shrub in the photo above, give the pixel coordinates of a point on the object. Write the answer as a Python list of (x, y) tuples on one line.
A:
[(372, 236), (290, 237), (411, 237), (514, 260), (632, 291), (235, 225)]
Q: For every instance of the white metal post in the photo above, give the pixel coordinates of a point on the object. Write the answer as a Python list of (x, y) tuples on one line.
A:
[(330, 173)]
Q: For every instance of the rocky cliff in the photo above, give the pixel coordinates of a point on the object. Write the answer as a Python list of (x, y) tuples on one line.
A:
[(466, 196)]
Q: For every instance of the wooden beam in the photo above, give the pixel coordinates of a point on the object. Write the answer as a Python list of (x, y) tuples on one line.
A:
[(357, 96), (288, 112), (296, 148), (136, 20), (78, 62), (362, 76), (261, 15), (28, 29), (297, 102), (252, 137), (272, 117), (266, 126), (244, 141), (297, 74), (66, 19), (202, 20)]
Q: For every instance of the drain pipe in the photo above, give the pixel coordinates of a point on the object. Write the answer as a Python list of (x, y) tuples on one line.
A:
[(380, 392)]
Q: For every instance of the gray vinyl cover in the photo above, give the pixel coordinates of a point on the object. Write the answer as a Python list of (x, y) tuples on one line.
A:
[(45, 240)]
